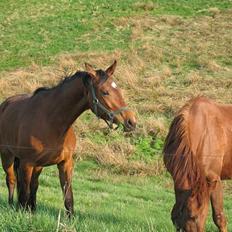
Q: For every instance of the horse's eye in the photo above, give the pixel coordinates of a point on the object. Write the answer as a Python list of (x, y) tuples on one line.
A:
[(105, 93)]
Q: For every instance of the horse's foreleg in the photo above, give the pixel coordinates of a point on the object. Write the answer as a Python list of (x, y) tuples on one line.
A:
[(65, 174), (8, 166), (24, 177), (217, 206), (34, 187)]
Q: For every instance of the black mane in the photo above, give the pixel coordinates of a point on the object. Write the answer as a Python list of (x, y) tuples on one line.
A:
[(79, 74), (65, 80), (40, 89)]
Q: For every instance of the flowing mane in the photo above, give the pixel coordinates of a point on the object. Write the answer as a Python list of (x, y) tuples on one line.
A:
[(179, 158)]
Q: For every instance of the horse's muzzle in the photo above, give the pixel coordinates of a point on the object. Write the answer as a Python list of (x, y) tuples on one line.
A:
[(129, 125), (129, 121)]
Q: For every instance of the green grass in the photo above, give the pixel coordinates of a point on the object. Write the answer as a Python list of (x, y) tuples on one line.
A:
[(148, 148), (36, 31), (180, 43), (189, 8), (103, 202)]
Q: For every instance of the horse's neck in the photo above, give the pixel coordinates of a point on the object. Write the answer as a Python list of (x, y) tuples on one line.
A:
[(68, 103)]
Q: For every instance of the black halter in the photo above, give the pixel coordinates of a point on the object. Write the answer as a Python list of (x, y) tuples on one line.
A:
[(98, 105)]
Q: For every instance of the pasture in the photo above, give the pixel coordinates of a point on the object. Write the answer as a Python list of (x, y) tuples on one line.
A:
[(167, 52)]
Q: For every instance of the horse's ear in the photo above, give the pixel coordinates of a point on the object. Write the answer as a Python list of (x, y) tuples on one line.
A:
[(111, 69), (89, 68)]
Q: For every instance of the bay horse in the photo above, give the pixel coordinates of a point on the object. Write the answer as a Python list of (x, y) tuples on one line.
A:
[(198, 155), (36, 130)]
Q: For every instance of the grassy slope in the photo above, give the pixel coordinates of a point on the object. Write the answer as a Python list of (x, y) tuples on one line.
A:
[(103, 202), (164, 60), (35, 31)]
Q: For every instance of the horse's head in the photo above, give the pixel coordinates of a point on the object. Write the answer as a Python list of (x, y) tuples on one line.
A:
[(189, 213), (106, 100)]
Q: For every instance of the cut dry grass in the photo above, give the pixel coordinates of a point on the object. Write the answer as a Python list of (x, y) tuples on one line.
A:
[(115, 158), (170, 59)]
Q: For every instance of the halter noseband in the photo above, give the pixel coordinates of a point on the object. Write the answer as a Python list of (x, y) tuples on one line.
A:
[(98, 105)]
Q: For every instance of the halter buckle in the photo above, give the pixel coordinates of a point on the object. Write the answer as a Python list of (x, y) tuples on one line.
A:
[(111, 115), (95, 101)]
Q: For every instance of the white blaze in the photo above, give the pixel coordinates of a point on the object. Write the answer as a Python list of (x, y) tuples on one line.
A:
[(113, 84)]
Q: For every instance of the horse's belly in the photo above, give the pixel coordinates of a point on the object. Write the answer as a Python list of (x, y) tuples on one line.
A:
[(49, 159)]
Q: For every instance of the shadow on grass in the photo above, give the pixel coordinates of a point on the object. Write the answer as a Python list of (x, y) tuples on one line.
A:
[(41, 208)]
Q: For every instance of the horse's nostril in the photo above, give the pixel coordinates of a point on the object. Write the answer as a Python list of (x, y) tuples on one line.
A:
[(130, 123)]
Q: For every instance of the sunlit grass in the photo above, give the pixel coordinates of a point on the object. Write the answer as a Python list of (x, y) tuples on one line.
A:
[(103, 202), (35, 31), (167, 52)]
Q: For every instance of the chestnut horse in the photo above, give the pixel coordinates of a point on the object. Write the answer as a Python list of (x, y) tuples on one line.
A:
[(36, 130), (198, 154)]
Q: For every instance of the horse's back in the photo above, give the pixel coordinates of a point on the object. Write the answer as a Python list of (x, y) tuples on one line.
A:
[(199, 143), (9, 112), (210, 133), (11, 100)]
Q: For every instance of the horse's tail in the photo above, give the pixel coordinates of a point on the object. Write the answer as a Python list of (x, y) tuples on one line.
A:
[(179, 158), (16, 170)]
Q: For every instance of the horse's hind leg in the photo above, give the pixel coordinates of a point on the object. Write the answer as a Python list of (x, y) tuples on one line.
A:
[(217, 206), (34, 187), (65, 174), (8, 166)]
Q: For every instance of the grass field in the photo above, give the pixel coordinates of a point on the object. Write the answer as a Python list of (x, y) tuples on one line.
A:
[(168, 51), (103, 202)]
